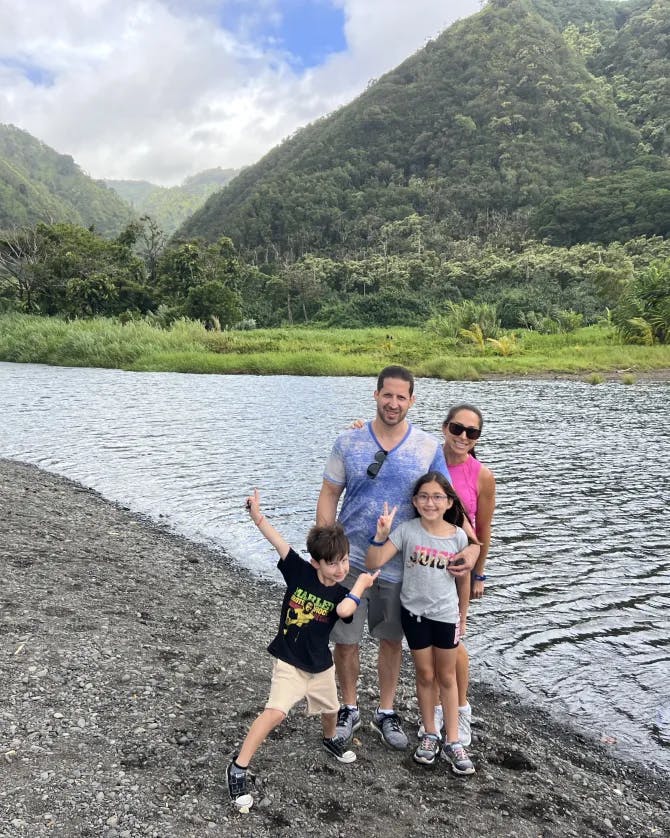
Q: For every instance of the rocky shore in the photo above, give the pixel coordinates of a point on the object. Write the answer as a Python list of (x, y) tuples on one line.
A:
[(132, 661)]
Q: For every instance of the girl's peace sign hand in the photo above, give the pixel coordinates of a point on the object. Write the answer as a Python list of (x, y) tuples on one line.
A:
[(385, 522)]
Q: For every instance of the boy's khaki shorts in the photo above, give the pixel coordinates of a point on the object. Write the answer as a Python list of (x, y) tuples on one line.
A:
[(290, 685)]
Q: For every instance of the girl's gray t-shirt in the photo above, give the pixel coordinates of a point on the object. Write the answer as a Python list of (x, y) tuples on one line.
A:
[(428, 589)]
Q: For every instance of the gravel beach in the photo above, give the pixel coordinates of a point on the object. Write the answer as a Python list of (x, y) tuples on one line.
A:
[(132, 662)]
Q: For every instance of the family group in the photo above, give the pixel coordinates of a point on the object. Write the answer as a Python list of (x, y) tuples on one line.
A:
[(404, 556)]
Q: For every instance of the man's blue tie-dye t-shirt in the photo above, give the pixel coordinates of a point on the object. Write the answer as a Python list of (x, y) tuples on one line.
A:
[(364, 497)]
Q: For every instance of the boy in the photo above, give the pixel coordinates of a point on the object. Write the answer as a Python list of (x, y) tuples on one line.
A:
[(313, 602)]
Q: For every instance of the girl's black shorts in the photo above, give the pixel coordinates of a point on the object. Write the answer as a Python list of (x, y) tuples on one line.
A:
[(422, 632)]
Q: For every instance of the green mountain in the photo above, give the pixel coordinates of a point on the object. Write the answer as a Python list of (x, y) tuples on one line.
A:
[(171, 206), (502, 112), (636, 63), (38, 184)]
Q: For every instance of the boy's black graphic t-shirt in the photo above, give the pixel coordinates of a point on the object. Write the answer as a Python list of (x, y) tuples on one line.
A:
[(307, 616)]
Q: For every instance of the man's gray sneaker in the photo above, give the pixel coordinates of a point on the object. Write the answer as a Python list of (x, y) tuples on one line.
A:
[(348, 720), (388, 727), (454, 753), (428, 749)]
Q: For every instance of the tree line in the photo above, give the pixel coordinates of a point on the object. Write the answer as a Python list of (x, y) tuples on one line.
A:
[(406, 279)]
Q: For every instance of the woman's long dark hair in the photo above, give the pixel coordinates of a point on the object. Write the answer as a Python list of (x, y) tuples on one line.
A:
[(456, 513)]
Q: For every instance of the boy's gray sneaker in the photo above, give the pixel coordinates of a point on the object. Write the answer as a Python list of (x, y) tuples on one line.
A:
[(454, 753), (388, 727), (348, 720), (428, 749)]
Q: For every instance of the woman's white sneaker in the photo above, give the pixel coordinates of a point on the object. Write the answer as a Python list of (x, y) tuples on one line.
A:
[(464, 725)]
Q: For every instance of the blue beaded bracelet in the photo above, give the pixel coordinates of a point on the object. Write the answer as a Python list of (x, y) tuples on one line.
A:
[(354, 597), (378, 543), (480, 577)]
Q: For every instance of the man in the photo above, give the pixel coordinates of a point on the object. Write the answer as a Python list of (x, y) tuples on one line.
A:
[(377, 463)]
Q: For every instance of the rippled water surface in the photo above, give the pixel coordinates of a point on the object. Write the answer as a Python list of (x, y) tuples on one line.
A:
[(576, 613)]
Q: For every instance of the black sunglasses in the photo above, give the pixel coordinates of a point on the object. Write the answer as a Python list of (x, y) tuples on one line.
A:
[(373, 468), (457, 429)]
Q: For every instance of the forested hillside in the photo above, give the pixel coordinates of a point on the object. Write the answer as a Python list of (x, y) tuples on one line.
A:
[(527, 102), (171, 206), (39, 185)]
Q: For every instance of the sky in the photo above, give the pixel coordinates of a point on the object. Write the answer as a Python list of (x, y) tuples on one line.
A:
[(161, 89)]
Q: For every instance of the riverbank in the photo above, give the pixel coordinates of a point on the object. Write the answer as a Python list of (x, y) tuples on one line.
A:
[(133, 661), (593, 353)]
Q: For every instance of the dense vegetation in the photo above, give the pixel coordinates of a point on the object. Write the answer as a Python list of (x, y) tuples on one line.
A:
[(170, 206), (63, 269), (512, 175), (38, 184), (471, 293)]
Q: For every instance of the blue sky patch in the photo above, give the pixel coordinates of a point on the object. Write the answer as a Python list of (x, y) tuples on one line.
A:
[(311, 31), (308, 31), (39, 76)]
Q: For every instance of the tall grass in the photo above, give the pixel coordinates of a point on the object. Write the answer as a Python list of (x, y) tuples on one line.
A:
[(188, 347)]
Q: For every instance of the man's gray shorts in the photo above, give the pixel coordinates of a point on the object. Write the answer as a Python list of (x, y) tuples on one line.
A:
[(381, 605)]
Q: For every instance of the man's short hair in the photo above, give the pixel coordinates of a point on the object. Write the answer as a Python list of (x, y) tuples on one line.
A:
[(325, 544), (395, 371)]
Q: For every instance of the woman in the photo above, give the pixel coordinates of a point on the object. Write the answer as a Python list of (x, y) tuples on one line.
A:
[(476, 487)]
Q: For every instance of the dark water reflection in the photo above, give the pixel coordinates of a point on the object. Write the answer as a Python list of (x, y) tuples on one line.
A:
[(576, 614)]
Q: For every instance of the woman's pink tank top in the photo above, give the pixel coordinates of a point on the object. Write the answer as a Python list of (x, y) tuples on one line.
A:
[(464, 478)]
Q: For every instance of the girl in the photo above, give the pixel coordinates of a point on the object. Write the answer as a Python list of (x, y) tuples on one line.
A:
[(434, 604)]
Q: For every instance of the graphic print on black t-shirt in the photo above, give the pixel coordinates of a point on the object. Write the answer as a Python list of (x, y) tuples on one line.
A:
[(304, 607)]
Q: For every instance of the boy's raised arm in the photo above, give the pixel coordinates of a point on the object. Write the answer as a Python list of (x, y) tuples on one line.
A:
[(267, 530)]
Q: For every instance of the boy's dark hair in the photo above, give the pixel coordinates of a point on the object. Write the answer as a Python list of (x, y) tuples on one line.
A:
[(325, 544), (395, 371)]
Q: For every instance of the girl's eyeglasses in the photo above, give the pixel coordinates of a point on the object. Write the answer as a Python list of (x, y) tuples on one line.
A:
[(373, 468), (457, 429), (422, 497)]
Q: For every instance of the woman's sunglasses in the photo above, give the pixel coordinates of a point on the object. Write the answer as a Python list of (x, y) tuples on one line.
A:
[(373, 468), (457, 429)]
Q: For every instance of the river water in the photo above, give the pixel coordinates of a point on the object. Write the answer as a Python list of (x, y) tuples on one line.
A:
[(575, 616)]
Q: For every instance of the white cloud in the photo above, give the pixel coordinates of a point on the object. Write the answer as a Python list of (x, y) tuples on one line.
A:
[(159, 89)]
